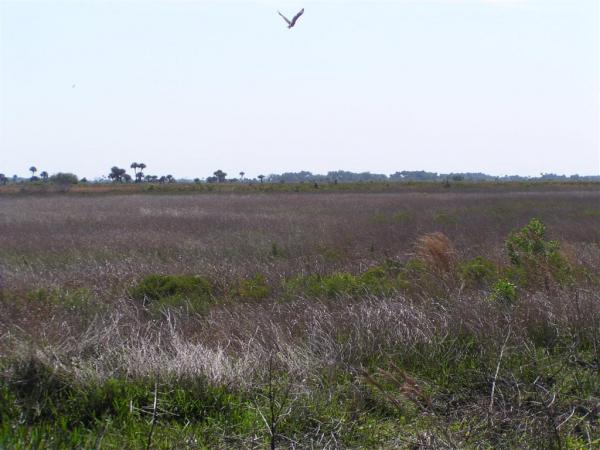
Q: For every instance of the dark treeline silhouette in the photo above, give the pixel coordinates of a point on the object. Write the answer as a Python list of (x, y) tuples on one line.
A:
[(120, 175), (62, 178), (342, 176)]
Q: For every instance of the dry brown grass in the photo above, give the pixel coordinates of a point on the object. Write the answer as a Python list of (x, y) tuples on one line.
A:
[(232, 343), (105, 244), (436, 250)]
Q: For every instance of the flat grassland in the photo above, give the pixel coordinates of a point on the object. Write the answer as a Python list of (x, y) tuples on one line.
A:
[(301, 317)]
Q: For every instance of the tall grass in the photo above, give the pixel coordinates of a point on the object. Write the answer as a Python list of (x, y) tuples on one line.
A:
[(365, 328)]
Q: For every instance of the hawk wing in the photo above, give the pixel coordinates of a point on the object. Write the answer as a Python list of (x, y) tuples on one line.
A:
[(296, 17), (285, 18)]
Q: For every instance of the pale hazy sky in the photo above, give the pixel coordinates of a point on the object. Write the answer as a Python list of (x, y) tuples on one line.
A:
[(188, 87)]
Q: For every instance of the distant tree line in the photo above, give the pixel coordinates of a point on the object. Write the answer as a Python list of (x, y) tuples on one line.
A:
[(342, 176), (57, 178), (120, 175)]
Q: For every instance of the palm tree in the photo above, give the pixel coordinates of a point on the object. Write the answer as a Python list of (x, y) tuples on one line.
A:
[(242, 175), (44, 175), (260, 177), (134, 166), (33, 170), (140, 176)]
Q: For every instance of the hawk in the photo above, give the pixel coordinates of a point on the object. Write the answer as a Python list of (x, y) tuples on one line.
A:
[(292, 22)]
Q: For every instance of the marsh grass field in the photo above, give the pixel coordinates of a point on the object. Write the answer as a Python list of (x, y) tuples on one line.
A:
[(369, 316)]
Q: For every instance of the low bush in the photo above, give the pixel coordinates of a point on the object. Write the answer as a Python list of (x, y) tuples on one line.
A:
[(322, 286), (477, 272), (504, 291), (254, 288), (536, 258), (176, 291), (377, 280)]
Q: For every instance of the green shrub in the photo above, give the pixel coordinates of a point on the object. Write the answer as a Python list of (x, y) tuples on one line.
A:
[(79, 299), (528, 243), (529, 251), (414, 271), (477, 272), (322, 286), (155, 287), (337, 283), (562, 271), (415, 266), (515, 274), (254, 288), (376, 280), (504, 291), (174, 291), (392, 266)]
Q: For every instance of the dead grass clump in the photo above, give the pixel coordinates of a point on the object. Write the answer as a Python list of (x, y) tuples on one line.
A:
[(437, 251)]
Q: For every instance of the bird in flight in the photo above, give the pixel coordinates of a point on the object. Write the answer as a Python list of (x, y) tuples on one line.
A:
[(292, 22)]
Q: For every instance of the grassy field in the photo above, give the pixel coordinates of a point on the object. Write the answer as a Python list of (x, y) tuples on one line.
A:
[(295, 316)]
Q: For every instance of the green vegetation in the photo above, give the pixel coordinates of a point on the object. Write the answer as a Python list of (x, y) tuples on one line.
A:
[(504, 291), (534, 257), (56, 410), (161, 291), (63, 178), (254, 288), (478, 272)]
